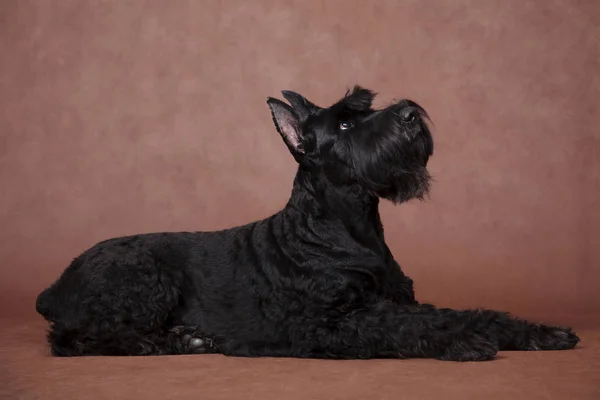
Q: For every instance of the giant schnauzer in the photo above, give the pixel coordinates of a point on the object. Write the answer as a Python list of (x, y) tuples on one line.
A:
[(314, 280)]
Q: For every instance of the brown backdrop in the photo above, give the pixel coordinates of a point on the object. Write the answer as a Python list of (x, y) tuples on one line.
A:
[(120, 117)]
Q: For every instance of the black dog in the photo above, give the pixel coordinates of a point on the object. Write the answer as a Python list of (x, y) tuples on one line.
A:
[(314, 280)]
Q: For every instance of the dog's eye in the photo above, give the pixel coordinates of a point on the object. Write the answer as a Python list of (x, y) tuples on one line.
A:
[(344, 125)]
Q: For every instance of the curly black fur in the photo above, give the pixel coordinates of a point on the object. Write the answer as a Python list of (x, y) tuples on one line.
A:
[(314, 280)]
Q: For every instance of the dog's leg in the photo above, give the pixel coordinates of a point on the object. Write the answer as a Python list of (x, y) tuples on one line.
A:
[(518, 334), (389, 330), (380, 330), (124, 341), (512, 333)]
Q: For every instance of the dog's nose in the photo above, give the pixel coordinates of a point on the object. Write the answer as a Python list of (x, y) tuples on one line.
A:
[(409, 114)]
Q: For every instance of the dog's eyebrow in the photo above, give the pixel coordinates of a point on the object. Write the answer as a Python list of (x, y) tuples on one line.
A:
[(359, 99)]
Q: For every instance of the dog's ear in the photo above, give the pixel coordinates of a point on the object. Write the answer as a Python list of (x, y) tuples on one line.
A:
[(302, 106), (288, 126)]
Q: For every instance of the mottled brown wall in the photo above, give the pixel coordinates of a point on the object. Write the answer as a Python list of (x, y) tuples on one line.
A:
[(120, 117)]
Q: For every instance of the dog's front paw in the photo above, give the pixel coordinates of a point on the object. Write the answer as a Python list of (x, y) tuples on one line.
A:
[(544, 337), (470, 347)]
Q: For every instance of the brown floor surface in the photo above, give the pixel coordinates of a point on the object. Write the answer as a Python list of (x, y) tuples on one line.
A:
[(28, 372)]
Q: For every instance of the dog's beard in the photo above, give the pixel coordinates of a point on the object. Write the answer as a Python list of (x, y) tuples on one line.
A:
[(407, 185), (395, 169)]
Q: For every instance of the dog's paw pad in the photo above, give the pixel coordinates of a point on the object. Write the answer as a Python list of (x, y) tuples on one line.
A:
[(190, 340)]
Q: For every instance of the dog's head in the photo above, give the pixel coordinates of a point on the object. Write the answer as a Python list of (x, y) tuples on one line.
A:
[(385, 151)]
